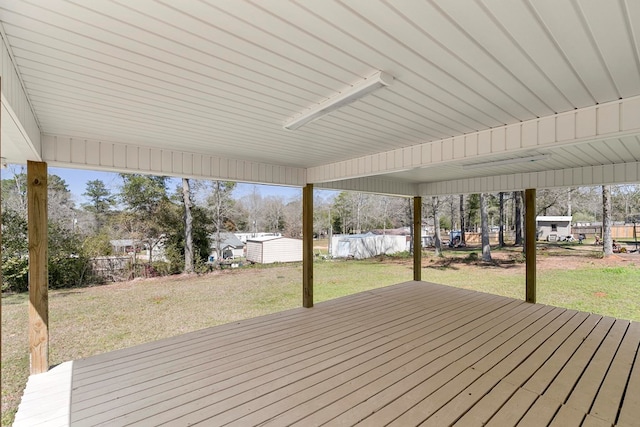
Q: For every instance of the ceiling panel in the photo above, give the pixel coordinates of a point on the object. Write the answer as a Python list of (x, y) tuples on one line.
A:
[(221, 77)]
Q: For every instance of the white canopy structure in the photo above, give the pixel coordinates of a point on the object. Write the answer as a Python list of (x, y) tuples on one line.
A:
[(474, 95)]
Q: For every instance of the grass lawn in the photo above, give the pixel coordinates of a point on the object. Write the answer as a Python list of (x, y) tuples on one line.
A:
[(88, 321)]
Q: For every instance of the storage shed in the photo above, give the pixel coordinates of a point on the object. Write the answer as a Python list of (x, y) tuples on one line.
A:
[(361, 246), (270, 249), (553, 228), (230, 246)]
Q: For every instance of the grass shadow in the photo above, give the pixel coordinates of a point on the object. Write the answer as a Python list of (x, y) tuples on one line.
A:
[(64, 294), (454, 263)]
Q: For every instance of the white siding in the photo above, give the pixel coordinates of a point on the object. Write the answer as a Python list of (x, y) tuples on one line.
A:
[(611, 120), (254, 251), (281, 250), (65, 151), (19, 125), (563, 228), (278, 249), (361, 247)]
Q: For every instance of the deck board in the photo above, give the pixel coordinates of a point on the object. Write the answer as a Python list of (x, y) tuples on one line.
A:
[(336, 338), (411, 354), (512, 377)]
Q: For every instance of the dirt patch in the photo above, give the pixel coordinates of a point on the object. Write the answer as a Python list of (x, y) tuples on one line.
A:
[(549, 257)]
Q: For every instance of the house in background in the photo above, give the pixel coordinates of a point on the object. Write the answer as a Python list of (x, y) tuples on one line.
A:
[(246, 236), (270, 249), (553, 228), (230, 246), (122, 246), (361, 246)]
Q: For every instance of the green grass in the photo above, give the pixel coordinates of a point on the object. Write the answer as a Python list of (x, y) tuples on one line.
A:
[(88, 321), (612, 291)]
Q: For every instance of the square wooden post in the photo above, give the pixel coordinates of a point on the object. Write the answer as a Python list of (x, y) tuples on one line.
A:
[(38, 270), (530, 243), (307, 246), (1, 159), (417, 238)]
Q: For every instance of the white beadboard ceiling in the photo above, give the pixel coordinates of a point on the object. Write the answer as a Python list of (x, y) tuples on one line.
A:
[(219, 77)]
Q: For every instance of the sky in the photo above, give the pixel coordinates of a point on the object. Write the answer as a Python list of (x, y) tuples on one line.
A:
[(77, 179)]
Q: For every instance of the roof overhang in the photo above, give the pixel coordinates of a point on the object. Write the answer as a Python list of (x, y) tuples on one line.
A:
[(203, 90)]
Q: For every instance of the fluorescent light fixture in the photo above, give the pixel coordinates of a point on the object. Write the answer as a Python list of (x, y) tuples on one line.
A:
[(355, 92), (506, 162)]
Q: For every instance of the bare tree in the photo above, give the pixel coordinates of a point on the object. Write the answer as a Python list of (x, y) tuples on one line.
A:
[(221, 206), (188, 226), (606, 220), (293, 219), (486, 248), (360, 202), (383, 208), (409, 215), (14, 191), (462, 225), (254, 204), (273, 214), (625, 200), (452, 207), (435, 207), (501, 222), (517, 220)]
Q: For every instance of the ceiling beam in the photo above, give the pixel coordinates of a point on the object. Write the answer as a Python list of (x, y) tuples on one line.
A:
[(21, 133), (623, 173), (65, 151), (609, 120), (373, 185)]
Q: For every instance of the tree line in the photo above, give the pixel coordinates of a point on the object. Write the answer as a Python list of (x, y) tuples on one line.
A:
[(154, 212)]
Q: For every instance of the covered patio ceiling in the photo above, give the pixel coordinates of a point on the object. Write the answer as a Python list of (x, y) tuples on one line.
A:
[(202, 89)]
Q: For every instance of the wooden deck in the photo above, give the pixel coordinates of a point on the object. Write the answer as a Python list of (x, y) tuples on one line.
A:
[(410, 354)]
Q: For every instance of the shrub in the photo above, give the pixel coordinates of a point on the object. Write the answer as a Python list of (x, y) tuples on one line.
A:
[(69, 271), (15, 274), (160, 268), (473, 256)]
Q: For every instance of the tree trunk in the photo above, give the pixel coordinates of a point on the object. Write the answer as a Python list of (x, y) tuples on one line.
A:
[(486, 248), (501, 222), (409, 213), (188, 227), (517, 195), (607, 241), (436, 225), (218, 214), (150, 245), (462, 238)]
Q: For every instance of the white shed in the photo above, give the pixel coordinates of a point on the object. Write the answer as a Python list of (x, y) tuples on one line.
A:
[(270, 249), (360, 246), (553, 228)]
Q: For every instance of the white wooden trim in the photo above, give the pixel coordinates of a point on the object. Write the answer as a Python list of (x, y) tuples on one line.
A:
[(19, 120), (372, 185), (604, 121), (65, 151), (47, 399), (623, 173)]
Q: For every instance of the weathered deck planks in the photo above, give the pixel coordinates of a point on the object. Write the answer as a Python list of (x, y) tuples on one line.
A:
[(410, 354)]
